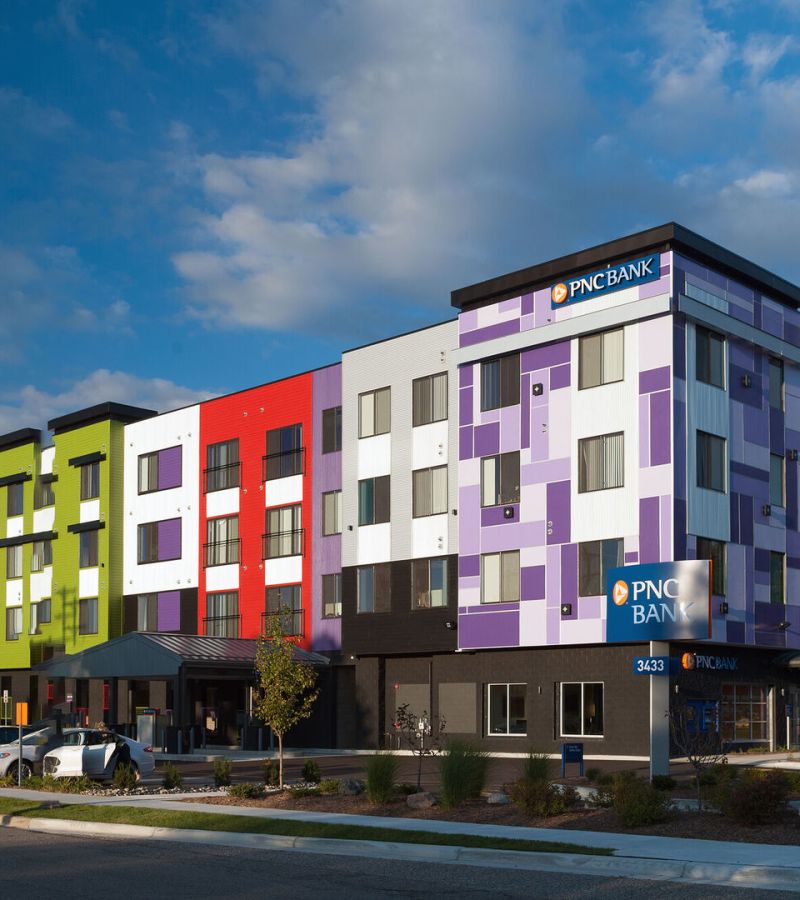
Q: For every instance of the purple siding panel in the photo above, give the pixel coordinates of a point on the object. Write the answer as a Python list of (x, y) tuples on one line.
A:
[(487, 439), (660, 438), (558, 512), (527, 304), (489, 333), (169, 539), (170, 468), (465, 376), (469, 566), (532, 581), (654, 380), (465, 442), (559, 377), (569, 578), (649, 539), (545, 357), (525, 425), (169, 611), (489, 629), (465, 406), (496, 515)]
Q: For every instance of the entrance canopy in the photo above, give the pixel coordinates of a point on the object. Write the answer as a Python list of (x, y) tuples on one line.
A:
[(145, 655)]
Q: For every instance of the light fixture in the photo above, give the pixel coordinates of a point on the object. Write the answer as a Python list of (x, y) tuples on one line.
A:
[(746, 380), (723, 608), (508, 512), (537, 389), (766, 510), (450, 625), (566, 609), (782, 626)]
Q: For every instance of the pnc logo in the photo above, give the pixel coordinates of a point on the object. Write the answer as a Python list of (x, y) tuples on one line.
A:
[(620, 593), (688, 661), (559, 293)]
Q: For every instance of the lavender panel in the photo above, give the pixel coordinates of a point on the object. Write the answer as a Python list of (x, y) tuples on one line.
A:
[(525, 424), (170, 468), (649, 538), (169, 539), (532, 583), (465, 376), (558, 512), (469, 566), (169, 611), (569, 578), (660, 439), (465, 406), (487, 439), (559, 377), (545, 357), (526, 307), (489, 629), (496, 515), (502, 329), (465, 442), (654, 380)]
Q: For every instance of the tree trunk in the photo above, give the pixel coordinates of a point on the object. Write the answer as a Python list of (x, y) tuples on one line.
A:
[(699, 801), (419, 773), (280, 760)]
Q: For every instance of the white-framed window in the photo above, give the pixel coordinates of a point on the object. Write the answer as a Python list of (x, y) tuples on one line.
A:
[(500, 577), (429, 497), (709, 357), (711, 461), (500, 479), (332, 512), (582, 708), (375, 412), (601, 358), (332, 596), (506, 709), (429, 399), (601, 462)]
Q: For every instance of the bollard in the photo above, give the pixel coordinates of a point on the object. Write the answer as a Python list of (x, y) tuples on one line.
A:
[(191, 739)]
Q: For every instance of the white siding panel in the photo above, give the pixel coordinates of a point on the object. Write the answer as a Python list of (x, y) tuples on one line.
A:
[(88, 581), (429, 536), (282, 491), (14, 592), (286, 570), (41, 584), (43, 519), (14, 526), (429, 447), (375, 456), (46, 463), (222, 503), (90, 511), (374, 544), (223, 578)]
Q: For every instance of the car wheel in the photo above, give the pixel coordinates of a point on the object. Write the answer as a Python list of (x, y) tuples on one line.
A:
[(27, 771)]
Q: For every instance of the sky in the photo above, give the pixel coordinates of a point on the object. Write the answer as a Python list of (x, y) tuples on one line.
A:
[(197, 197)]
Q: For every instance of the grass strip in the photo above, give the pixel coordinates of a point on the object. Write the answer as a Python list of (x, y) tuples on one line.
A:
[(162, 818), (9, 806)]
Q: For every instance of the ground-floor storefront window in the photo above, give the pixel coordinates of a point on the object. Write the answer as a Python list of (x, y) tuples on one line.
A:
[(507, 713), (581, 709), (743, 712)]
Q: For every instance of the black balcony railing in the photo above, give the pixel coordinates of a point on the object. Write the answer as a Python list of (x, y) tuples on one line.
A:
[(223, 626), (219, 478), (283, 543), (291, 621), (222, 553), (283, 464)]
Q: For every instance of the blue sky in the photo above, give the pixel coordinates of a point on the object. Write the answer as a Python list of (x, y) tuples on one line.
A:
[(199, 197)]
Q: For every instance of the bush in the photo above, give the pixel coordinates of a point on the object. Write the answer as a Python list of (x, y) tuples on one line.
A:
[(222, 772), (757, 798), (245, 791), (124, 777), (329, 786), (536, 765), (463, 773), (271, 773), (793, 780), (311, 774), (719, 773), (302, 790), (594, 775), (405, 789), (637, 802), (539, 798), (381, 774), (663, 783), (171, 777)]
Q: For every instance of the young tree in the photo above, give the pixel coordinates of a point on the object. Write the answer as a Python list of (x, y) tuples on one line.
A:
[(423, 735), (702, 749), (286, 689)]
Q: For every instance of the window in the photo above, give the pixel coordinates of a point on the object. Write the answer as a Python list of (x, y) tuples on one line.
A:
[(601, 462), (743, 712), (284, 452), (429, 491), (375, 412), (507, 709), (776, 383), (715, 551), (777, 569), (87, 615), (161, 470), (332, 429), (709, 356), (373, 500), (222, 614), (13, 623), (710, 461), (147, 612), (428, 583), (284, 535), (90, 481), (287, 600), (331, 596), (223, 468), (500, 577), (500, 382), (14, 499), (373, 589), (159, 541), (601, 358), (42, 555), (595, 558), (332, 512), (43, 494), (776, 480), (40, 615), (582, 709), (14, 561), (500, 479), (222, 547), (88, 549), (429, 399)]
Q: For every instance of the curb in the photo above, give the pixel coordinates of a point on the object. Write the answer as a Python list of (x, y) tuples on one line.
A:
[(770, 877)]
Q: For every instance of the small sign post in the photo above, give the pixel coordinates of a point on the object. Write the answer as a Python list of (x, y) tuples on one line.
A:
[(22, 719), (571, 753)]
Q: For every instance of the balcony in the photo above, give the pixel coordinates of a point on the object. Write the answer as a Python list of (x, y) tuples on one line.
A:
[(222, 553), (283, 464), (291, 620), (283, 543), (223, 626), (220, 478)]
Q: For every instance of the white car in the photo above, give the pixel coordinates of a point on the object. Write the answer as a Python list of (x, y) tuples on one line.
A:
[(86, 751), (34, 747)]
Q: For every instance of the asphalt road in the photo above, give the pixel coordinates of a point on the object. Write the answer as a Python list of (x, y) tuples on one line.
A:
[(43, 865)]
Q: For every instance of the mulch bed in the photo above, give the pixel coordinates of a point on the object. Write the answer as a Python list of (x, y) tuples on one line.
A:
[(705, 826)]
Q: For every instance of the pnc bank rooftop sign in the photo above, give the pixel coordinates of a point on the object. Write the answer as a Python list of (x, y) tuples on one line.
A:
[(604, 281), (659, 601)]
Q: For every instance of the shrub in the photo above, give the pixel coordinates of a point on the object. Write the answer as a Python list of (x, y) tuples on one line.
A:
[(245, 791), (172, 777), (463, 773), (793, 780), (271, 773), (329, 786), (594, 775), (302, 790), (663, 782), (637, 802), (222, 772), (311, 774), (539, 798), (381, 774), (124, 777), (757, 798), (536, 765), (719, 773), (405, 789)]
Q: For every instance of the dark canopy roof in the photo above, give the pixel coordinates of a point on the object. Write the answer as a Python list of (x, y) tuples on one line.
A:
[(145, 655)]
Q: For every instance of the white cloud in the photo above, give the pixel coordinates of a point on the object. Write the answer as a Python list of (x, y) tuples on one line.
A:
[(32, 407), (22, 112)]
